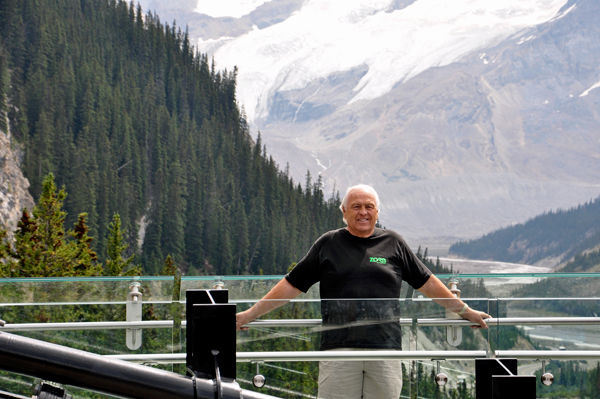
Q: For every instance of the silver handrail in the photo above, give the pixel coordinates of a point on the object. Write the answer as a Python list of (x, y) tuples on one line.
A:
[(115, 325), (549, 355), (502, 321), (515, 321), (303, 356), (306, 356), (100, 325)]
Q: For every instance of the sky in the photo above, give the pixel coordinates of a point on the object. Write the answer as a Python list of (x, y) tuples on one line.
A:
[(329, 36)]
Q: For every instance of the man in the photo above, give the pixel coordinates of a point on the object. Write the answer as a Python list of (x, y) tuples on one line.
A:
[(360, 269)]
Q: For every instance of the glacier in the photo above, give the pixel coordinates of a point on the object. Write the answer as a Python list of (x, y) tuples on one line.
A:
[(329, 36)]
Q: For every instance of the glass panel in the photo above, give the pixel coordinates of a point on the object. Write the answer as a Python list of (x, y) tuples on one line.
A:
[(99, 299), (504, 296), (67, 300), (241, 288), (91, 289)]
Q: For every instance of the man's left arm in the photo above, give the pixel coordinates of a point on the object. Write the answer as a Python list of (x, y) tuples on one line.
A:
[(440, 294)]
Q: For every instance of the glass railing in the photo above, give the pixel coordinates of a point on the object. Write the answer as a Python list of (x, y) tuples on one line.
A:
[(543, 320)]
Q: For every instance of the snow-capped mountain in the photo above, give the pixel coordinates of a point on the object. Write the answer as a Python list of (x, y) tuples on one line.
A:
[(465, 115)]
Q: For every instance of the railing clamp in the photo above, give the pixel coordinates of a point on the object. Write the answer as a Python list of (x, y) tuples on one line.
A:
[(453, 334), (547, 378), (441, 379), (258, 380), (134, 313)]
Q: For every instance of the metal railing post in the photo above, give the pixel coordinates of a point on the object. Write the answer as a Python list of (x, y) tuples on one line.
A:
[(414, 380), (134, 314)]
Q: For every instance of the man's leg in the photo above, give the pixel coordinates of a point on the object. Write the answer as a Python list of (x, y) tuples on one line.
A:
[(340, 380), (383, 379)]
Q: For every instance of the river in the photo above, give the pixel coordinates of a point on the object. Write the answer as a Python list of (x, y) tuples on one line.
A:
[(468, 266)]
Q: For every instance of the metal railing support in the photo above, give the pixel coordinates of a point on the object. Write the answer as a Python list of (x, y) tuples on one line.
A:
[(133, 336)]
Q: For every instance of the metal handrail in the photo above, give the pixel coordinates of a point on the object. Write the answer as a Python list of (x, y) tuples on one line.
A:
[(100, 325), (303, 356), (91, 371), (549, 355), (115, 325), (502, 321)]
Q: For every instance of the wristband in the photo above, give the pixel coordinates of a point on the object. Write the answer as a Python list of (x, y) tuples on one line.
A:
[(463, 310)]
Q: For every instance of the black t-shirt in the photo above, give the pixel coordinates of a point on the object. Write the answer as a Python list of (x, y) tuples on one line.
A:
[(360, 286)]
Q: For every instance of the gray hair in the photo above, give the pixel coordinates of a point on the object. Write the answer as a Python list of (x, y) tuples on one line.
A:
[(365, 187)]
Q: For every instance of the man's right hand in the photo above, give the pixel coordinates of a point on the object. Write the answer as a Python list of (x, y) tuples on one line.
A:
[(278, 296), (241, 319)]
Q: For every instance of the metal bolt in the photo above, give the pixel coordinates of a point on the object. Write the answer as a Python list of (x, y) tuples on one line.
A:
[(258, 380), (441, 379)]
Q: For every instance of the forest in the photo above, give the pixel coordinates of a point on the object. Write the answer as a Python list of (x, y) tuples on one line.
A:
[(130, 120)]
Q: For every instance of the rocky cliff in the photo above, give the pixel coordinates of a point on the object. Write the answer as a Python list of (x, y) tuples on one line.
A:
[(14, 196)]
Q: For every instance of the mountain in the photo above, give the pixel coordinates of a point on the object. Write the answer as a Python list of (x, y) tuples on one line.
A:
[(548, 239), (465, 115)]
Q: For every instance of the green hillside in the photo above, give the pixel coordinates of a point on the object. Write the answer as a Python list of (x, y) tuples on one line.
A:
[(561, 234), (131, 120)]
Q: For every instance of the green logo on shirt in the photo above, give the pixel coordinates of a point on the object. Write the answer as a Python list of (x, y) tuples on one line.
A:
[(381, 261)]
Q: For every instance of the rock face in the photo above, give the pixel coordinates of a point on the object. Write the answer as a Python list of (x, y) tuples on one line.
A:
[(14, 196), (205, 27)]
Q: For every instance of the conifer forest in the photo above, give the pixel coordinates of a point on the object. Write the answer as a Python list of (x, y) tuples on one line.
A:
[(131, 121)]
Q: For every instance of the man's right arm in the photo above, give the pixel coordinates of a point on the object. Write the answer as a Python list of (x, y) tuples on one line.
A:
[(278, 296)]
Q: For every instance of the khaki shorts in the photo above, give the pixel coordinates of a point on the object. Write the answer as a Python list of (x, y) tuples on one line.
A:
[(373, 379)]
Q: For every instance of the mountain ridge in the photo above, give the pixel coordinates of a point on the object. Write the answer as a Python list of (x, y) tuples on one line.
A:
[(549, 238)]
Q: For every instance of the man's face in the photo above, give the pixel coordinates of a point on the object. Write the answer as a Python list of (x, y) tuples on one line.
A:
[(361, 213)]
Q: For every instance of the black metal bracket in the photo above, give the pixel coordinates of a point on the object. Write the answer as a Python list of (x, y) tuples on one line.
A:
[(211, 335)]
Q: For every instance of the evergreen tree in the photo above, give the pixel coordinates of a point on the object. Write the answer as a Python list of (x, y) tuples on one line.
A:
[(85, 257), (116, 264), (41, 248), (170, 269)]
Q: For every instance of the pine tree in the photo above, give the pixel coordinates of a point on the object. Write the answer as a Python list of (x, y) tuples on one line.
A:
[(41, 248), (116, 264), (6, 255), (85, 257), (170, 269)]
